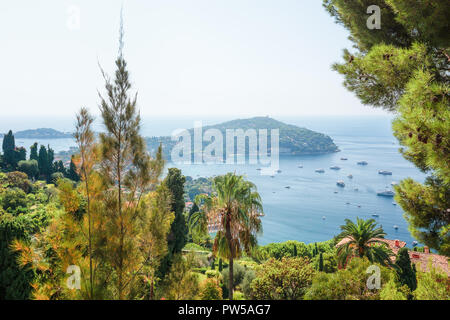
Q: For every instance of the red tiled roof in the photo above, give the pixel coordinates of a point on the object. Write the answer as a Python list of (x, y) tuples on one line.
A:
[(422, 261)]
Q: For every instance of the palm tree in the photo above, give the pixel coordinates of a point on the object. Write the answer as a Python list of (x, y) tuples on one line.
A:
[(235, 208), (363, 239)]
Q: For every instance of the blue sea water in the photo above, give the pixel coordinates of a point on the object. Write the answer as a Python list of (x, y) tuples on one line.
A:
[(310, 210)]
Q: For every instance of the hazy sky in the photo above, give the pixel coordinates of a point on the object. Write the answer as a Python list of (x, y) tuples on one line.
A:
[(196, 57)]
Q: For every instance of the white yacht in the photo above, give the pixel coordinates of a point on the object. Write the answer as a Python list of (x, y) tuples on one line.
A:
[(320, 170), (386, 193), (385, 172), (335, 168), (340, 183), (362, 163)]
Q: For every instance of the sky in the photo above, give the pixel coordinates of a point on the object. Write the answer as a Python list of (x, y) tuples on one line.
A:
[(196, 57)]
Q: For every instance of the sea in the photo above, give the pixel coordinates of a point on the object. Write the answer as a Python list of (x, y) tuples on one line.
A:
[(313, 208)]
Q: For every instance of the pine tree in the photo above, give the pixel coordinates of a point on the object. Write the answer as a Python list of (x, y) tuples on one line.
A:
[(128, 171), (403, 67)]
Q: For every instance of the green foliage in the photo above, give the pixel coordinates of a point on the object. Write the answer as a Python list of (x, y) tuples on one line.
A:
[(21, 224), (405, 272), (238, 275), (235, 205), (392, 291), (329, 262), (72, 173), (285, 279), (432, 285), (363, 241), (8, 147), (250, 275), (181, 283), (403, 67), (14, 201), (292, 248), (34, 152), (213, 274), (29, 167), (347, 284), (177, 237), (15, 281), (211, 290), (44, 169)]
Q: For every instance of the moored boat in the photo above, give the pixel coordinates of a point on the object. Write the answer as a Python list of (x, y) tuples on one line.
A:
[(340, 183)]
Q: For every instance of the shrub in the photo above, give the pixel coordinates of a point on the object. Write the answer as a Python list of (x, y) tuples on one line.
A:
[(239, 273), (246, 283), (211, 290), (286, 279), (213, 274)]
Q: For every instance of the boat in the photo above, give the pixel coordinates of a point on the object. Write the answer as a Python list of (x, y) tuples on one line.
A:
[(335, 192), (300, 166), (385, 173), (335, 168), (394, 204), (287, 187), (340, 183), (320, 170), (344, 159), (393, 183), (347, 203), (323, 218), (350, 176), (396, 227), (272, 176), (259, 169), (279, 171), (375, 215), (387, 193), (362, 163), (356, 189), (414, 243)]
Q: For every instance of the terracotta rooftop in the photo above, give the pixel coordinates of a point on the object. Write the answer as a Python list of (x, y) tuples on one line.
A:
[(422, 261)]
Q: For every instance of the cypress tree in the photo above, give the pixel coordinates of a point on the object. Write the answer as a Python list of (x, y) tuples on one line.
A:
[(43, 162), (72, 173), (8, 147), (220, 265), (34, 152), (295, 250), (405, 269), (50, 159), (321, 262), (178, 233)]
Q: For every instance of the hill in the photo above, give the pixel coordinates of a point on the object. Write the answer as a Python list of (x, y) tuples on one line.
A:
[(293, 140), (42, 133)]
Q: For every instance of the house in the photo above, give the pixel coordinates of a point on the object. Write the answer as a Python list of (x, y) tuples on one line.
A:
[(420, 259), (188, 205)]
